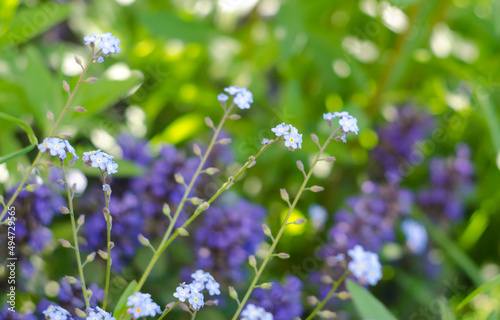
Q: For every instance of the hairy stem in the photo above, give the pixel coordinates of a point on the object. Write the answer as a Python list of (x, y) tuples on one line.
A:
[(75, 238), (189, 187), (282, 229), (328, 297), (108, 245), (39, 155)]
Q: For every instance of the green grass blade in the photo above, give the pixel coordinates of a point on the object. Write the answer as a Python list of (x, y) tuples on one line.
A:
[(482, 288), (366, 304)]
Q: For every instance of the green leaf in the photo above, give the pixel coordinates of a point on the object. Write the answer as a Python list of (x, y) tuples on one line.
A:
[(446, 313), (484, 102), (121, 306), (32, 21), (366, 304), (16, 154), (181, 129), (7, 11), (482, 288), (24, 125)]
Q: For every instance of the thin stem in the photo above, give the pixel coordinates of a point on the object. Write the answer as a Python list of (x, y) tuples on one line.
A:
[(75, 238), (282, 229), (194, 314), (39, 155), (108, 244), (168, 310), (216, 195), (330, 294), (171, 226)]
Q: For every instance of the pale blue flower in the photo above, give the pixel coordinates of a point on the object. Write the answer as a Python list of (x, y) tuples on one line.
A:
[(243, 99), (92, 38), (182, 293), (265, 141), (222, 97), (365, 265), (197, 286), (349, 124), (328, 116), (281, 129), (105, 187), (98, 314), (213, 287), (111, 167), (252, 312), (56, 313), (141, 305), (232, 90), (99, 160), (201, 276), (293, 140), (196, 300), (57, 147), (100, 59), (416, 236)]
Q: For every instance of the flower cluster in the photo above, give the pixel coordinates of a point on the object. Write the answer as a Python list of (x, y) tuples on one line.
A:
[(365, 265), (108, 44), (416, 236), (98, 314), (141, 305), (253, 312), (70, 295), (293, 140), (242, 97), (346, 121), (283, 301), (101, 160), (57, 147), (56, 313), (193, 291), (451, 179), (227, 235)]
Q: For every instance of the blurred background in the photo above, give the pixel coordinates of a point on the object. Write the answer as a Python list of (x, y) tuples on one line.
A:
[(420, 76)]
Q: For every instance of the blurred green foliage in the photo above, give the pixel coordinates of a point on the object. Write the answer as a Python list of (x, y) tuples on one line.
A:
[(293, 55)]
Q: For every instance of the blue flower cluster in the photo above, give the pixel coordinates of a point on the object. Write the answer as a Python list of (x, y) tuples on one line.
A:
[(365, 265), (57, 147), (101, 160), (283, 301), (108, 44), (293, 139), (416, 236), (242, 97), (70, 295), (227, 235), (346, 121), (193, 292), (141, 305), (451, 179), (252, 312), (56, 313), (98, 314)]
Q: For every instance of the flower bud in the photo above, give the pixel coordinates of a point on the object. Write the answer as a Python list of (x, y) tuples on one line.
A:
[(50, 115), (251, 159), (327, 314), (252, 261), (91, 80), (196, 201), (81, 220), (300, 221), (178, 178), (300, 165), (316, 188), (105, 211), (63, 210), (32, 187), (326, 279), (314, 137), (196, 150), (235, 117), (80, 109), (20, 167), (233, 294), (209, 122), (48, 165), (65, 243), (212, 302), (204, 206), (91, 257), (312, 300), (70, 280), (169, 306), (266, 230), (182, 232), (103, 254), (284, 195), (184, 307), (166, 209), (344, 295), (211, 171), (143, 240), (266, 285), (111, 244), (283, 255), (331, 159), (65, 86), (225, 141), (80, 313)]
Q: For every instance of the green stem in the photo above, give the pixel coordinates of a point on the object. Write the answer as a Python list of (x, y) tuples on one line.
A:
[(168, 310), (75, 238), (194, 314), (108, 235), (216, 195), (157, 255), (282, 229), (39, 155), (330, 294)]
